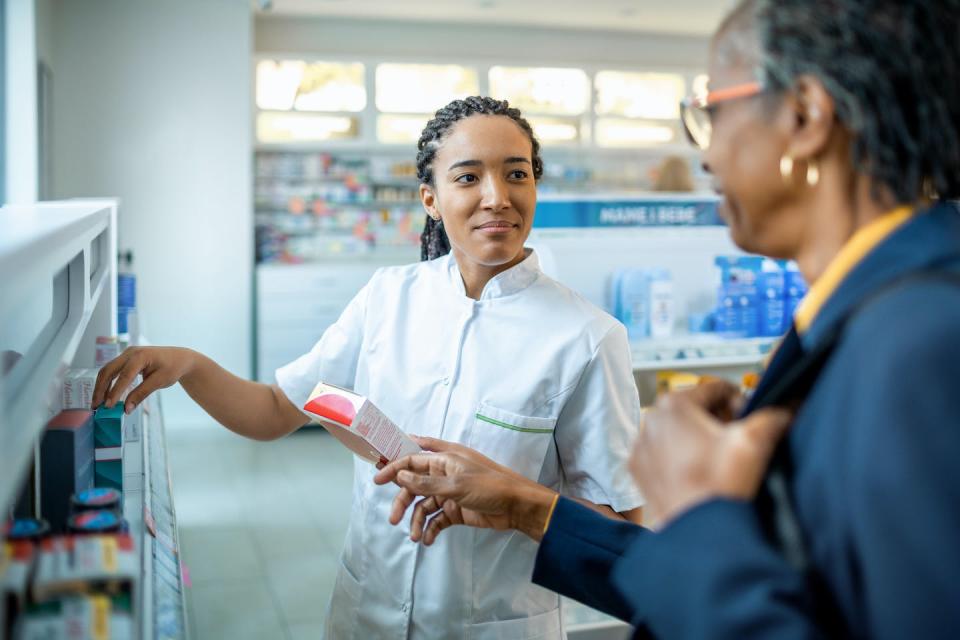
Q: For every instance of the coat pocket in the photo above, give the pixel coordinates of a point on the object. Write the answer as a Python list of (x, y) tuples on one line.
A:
[(344, 607), (545, 626), (515, 441)]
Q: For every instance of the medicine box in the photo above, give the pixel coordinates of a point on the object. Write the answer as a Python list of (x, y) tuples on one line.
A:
[(66, 463), (357, 423)]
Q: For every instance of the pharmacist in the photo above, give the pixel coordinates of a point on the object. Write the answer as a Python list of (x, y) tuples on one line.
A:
[(833, 130), (478, 347)]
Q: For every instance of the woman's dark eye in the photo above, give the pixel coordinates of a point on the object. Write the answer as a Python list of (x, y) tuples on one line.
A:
[(518, 174), (467, 178)]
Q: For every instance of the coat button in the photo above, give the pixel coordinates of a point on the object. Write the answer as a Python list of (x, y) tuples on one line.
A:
[(445, 381)]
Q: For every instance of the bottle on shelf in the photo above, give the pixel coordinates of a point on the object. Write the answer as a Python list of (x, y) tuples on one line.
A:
[(127, 325)]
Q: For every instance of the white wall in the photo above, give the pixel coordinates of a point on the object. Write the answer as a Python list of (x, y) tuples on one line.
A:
[(519, 45), (21, 153), (152, 104)]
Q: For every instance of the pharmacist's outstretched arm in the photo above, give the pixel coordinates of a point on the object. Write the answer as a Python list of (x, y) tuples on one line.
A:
[(251, 409)]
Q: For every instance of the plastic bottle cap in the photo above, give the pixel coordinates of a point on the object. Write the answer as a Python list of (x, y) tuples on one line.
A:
[(98, 498), (99, 521), (26, 529)]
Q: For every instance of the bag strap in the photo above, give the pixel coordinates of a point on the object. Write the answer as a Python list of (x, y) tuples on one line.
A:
[(793, 389)]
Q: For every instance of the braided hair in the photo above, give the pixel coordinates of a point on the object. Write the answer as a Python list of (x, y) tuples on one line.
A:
[(893, 70), (433, 241)]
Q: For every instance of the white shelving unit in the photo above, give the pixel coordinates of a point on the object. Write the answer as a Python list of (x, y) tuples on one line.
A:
[(703, 354), (58, 293), (698, 351)]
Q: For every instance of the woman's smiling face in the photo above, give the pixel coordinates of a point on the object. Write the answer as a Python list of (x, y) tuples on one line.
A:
[(484, 189)]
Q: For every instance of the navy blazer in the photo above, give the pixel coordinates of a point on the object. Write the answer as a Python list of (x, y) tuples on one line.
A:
[(874, 480)]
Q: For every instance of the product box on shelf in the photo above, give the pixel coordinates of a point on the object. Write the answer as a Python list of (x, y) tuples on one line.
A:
[(84, 564), (89, 616), (643, 300), (108, 468), (78, 387), (756, 297), (118, 454), (16, 563), (66, 463)]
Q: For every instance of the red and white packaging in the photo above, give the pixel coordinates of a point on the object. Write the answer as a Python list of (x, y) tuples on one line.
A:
[(359, 424)]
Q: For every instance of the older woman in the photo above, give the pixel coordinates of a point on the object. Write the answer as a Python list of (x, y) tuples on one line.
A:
[(832, 129)]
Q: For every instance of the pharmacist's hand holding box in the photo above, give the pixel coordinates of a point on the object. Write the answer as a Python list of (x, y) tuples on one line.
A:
[(359, 424)]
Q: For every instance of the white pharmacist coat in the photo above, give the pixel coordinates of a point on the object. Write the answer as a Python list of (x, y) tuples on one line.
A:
[(533, 376)]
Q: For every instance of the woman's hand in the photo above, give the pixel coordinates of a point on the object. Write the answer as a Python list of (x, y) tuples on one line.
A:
[(161, 367), (461, 486), (686, 454)]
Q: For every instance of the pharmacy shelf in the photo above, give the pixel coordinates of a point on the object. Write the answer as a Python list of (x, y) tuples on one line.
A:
[(369, 203), (59, 293), (702, 351), (161, 602)]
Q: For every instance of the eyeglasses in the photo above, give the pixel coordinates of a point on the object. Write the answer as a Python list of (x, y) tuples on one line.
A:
[(696, 111)]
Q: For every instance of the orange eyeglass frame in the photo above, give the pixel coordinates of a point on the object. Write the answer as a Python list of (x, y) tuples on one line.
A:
[(699, 133)]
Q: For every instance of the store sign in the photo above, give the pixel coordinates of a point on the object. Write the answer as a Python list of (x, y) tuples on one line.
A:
[(639, 212)]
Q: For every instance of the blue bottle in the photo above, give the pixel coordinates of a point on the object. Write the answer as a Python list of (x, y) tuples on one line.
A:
[(634, 302)]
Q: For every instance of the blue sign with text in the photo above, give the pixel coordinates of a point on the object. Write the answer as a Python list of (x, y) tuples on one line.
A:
[(627, 212)]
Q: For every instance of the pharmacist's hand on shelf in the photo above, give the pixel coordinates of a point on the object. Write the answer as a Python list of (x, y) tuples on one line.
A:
[(161, 367), (462, 487), (685, 454)]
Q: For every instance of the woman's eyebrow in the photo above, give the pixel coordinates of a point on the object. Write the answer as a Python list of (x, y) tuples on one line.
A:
[(464, 163), (477, 163)]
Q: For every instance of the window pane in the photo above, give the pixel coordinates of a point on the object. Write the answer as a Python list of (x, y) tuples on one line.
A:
[(422, 88), (542, 90), (315, 86), (304, 127), (397, 129), (699, 86), (639, 95), (555, 130), (618, 132)]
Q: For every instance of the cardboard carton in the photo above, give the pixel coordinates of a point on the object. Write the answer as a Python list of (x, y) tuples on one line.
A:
[(359, 424)]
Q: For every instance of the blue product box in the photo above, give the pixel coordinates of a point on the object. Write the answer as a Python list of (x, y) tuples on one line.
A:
[(727, 318), (108, 468), (614, 304), (794, 285), (772, 305), (749, 312), (738, 269), (108, 424)]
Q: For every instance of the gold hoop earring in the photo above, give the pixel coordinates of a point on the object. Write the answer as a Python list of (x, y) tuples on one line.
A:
[(786, 170), (813, 173)]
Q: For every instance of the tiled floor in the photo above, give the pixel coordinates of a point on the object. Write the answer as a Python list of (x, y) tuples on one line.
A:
[(261, 528)]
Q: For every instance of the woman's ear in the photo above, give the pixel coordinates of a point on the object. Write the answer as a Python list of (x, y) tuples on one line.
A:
[(429, 200), (812, 118)]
